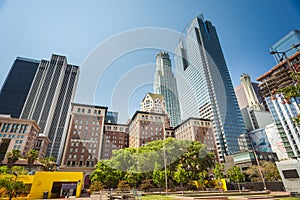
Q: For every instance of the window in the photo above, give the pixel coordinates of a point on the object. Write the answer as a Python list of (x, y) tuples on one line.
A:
[(292, 173)]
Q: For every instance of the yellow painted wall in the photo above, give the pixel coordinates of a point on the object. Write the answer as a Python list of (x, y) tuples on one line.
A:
[(43, 181)]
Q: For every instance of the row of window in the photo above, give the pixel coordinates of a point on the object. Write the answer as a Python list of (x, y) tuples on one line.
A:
[(89, 111), (80, 163), (11, 136), (13, 128)]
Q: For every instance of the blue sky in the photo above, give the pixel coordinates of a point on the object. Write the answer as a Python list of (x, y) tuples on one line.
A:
[(36, 29)]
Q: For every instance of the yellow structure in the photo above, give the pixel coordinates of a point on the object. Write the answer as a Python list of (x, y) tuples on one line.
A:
[(53, 184)]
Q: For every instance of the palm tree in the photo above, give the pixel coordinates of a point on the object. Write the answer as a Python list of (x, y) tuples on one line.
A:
[(32, 156), (13, 157), (49, 163)]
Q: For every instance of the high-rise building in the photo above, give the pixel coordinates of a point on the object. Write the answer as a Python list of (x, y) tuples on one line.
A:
[(204, 86), (49, 100), (247, 94), (16, 86), (283, 110), (165, 84), (285, 44)]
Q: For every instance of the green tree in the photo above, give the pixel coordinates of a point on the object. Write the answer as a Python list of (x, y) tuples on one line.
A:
[(49, 163), (123, 186), (219, 174), (158, 176), (13, 157), (31, 156), (133, 178), (106, 175), (146, 185), (267, 168), (235, 175), (219, 171), (96, 186), (202, 176), (11, 185), (181, 176)]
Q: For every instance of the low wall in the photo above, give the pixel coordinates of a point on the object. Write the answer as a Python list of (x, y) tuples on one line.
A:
[(257, 186)]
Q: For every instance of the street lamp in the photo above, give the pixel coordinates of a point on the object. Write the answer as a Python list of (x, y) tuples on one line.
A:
[(165, 161)]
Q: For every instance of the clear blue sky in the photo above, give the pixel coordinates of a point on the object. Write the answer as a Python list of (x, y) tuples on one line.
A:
[(36, 29)]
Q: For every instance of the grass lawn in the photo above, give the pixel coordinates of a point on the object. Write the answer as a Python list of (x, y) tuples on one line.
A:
[(157, 197)]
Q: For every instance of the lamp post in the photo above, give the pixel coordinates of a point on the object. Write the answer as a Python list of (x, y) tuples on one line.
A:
[(165, 161)]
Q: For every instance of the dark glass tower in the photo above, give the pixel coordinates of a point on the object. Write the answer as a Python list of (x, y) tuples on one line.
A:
[(16, 86), (204, 86)]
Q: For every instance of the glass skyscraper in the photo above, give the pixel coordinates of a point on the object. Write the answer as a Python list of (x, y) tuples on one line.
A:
[(16, 86), (286, 43), (204, 86), (165, 84)]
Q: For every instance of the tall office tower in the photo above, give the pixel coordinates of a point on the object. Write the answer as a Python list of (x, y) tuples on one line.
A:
[(165, 84), (16, 86), (286, 44), (283, 110), (247, 94), (204, 86), (252, 109), (49, 100)]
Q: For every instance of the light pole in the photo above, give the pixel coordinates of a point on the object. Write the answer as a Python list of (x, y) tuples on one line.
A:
[(165, 161)]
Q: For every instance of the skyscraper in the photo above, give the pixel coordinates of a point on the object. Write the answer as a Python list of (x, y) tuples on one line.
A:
[(247, 94), (16, 86), (285, 44), (204, 86), (49, 100), (165, 84)]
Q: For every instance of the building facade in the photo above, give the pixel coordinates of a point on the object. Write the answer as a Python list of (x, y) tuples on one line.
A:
[(116, 136), (49, 100), (20, 133), (247, 94), (275, 140), (154, 103), (254, 119), (83, 147), (146, 127), (204, 86), (283, 110), (15, 89), (196, 129), (165, 84), (111, 117)]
